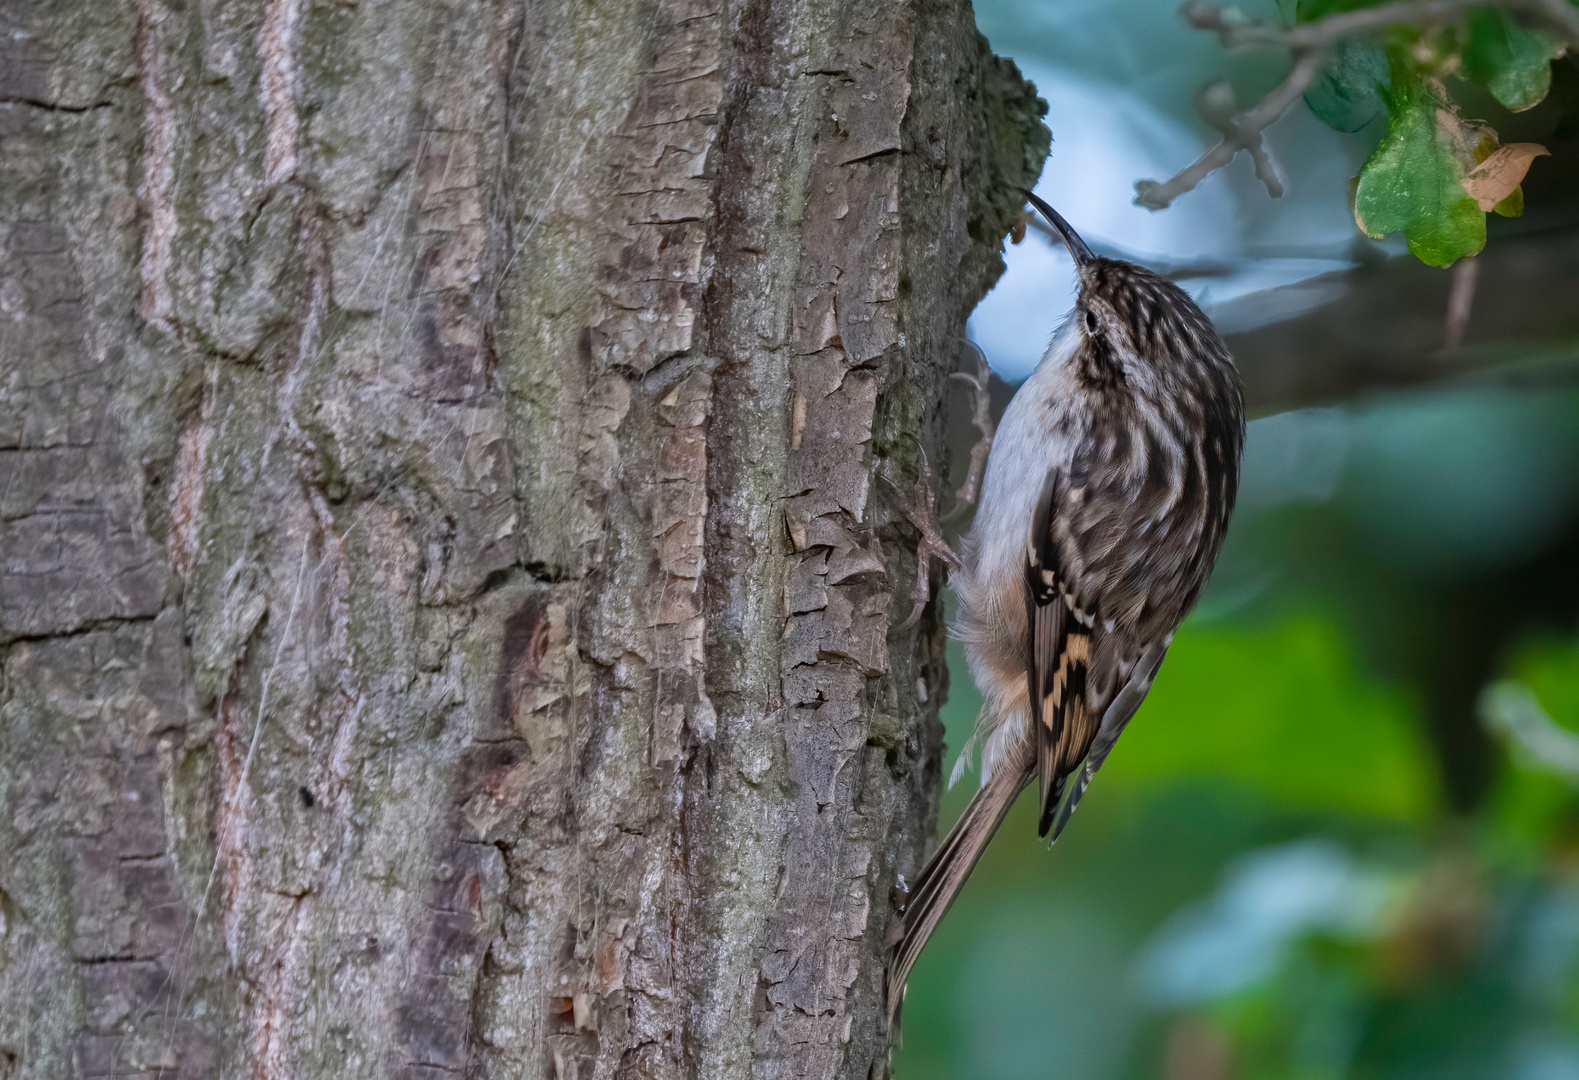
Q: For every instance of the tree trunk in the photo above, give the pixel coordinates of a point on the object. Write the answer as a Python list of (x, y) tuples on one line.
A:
[(450, 604)]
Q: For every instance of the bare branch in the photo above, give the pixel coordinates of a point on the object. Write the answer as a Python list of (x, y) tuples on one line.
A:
[(1563, 14), (1512, 709), (1237, 29), (1312, 44), (1215, 104), (1249, 127)]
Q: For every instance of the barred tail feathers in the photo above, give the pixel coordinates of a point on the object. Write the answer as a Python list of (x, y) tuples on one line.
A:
[(945, 873)]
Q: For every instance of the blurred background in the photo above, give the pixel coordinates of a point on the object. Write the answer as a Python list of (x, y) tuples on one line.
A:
[(1341, 839)]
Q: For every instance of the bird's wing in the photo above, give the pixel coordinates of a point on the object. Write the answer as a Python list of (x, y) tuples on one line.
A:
[(1124, 704), (1061, 628)]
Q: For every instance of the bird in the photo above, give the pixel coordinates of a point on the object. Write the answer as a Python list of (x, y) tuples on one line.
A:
[(1107, 493)]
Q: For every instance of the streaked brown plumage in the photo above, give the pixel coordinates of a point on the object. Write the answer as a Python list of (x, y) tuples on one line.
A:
[(1107, 493)]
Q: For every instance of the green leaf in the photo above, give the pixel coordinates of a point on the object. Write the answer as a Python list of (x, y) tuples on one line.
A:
[(1349, 93), (1513, 205), (1513, 62), (1414, 182)]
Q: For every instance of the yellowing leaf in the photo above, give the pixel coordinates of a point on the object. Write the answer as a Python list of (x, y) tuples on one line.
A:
[(1494, 179), (1513, 205), (1486, 145)]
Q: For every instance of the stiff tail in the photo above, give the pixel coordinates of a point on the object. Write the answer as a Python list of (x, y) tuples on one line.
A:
[(945, 873)]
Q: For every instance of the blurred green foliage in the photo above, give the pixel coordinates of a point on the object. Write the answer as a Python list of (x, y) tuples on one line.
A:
[(1307, 728)]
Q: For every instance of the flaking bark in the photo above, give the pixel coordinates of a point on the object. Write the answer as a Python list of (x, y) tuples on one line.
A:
[(449, 595)]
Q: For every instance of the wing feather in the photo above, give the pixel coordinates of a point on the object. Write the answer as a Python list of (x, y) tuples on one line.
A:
[(1113, 720), (1059, 660)]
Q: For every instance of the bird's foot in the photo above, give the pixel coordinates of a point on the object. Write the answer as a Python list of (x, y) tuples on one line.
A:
[(981, 416), (932, 545)]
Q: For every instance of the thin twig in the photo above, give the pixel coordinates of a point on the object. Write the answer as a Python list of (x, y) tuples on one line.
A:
[(1513, 709), (1250, 125), (1215, 104), (1460, 299), (1235, 28), (1190, 270), (1562, 13), (1312, 44)]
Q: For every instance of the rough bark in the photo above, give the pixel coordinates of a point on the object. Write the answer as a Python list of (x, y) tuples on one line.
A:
[(449, 599)]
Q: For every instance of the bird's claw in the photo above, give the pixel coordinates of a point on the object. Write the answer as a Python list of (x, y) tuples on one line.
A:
[(981, 416), (932, 544)]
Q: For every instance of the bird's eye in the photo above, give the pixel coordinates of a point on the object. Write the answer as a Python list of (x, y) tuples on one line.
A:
[(1091, 321)]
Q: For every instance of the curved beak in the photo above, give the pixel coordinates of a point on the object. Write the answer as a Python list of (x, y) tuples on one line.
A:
[(1077, 247)]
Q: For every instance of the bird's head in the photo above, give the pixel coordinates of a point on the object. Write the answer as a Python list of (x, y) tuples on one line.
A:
[(1136, 327)]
